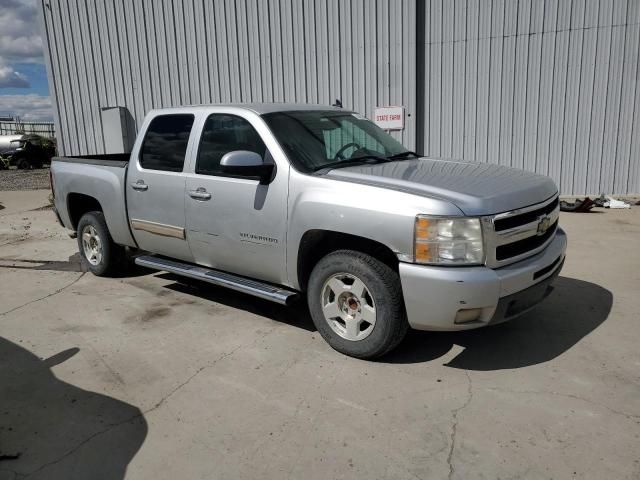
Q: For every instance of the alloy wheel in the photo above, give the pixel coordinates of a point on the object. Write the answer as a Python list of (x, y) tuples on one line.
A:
[(348, 306)]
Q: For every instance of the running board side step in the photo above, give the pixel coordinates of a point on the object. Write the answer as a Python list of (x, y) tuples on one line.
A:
[(256, 288)]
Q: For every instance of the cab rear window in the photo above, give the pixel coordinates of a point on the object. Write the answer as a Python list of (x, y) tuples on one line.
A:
[(165, 143)]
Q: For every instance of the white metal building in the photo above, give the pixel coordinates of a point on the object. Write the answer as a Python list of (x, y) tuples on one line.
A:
[(546, 85)]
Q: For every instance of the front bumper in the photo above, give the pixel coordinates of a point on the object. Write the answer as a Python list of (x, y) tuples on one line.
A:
[(433, 296)]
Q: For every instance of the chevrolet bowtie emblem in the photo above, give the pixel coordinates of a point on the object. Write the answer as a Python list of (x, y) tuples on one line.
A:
[(544, 222)]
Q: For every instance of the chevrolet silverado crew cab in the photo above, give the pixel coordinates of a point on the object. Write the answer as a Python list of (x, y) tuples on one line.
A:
[(279, 200)]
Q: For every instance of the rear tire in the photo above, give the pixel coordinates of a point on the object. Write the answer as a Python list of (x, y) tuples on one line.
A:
[(356, 304), (23, 164), (100, 255)]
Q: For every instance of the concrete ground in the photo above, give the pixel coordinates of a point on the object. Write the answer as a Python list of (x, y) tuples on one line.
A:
[(148, 378)]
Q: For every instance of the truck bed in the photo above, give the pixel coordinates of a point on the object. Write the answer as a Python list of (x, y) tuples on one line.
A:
[(120, 160), (99, 177)]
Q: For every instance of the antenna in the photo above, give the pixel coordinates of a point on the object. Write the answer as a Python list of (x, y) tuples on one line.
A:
[(338, 103)]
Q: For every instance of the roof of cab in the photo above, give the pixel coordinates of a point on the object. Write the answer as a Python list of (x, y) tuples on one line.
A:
[(259, 108)]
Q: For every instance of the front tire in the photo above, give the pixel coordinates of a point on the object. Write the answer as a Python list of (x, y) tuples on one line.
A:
[(356, 304), (100, 255)]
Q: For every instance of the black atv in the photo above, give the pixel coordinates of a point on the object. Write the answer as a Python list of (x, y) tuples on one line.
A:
[(27, 152)]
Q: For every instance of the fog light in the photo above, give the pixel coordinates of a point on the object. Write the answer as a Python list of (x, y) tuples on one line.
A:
[(467, 315)]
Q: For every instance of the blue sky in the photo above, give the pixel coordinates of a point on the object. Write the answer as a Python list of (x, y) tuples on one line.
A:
[(36, 74), (23, 77)]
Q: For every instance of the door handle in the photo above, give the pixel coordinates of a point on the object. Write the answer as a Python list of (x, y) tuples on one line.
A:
[(200, 194), (140, 186)]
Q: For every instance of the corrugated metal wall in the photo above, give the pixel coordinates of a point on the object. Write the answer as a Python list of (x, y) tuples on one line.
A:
[(546, 85), (549, 86), (148, 54)]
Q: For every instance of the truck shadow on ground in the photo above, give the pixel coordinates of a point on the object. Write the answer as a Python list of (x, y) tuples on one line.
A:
[(296, 315), (73, 264), (50, 429), (571, 312)]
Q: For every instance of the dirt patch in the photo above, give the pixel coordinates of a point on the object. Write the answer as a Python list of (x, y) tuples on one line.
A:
[(77, 329), (622, 222), (182, 301), (150, 314)]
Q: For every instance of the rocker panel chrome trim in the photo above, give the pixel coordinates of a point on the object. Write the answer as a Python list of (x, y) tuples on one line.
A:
[(256, 288)]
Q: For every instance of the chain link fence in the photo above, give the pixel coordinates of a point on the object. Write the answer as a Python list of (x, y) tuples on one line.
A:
[(44, 129)]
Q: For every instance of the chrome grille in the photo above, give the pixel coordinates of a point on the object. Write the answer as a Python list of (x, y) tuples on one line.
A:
[(515, 235), (505, 223)]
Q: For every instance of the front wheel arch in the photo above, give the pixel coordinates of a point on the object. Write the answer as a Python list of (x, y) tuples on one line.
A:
[(316, 244)]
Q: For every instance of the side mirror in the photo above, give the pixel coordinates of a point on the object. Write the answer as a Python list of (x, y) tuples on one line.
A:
[(247, 164)]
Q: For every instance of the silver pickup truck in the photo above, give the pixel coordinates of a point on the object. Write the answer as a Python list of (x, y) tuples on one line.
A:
[(276, 200)]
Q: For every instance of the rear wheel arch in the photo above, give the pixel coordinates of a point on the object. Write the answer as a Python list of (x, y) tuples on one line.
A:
[(78, 204), (316, 244)]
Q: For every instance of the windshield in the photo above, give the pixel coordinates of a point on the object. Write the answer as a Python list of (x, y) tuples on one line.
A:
[(314, 140)]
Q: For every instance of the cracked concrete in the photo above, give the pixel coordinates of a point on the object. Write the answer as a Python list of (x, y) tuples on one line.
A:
[(454, 424), (167, 380), (49, 295), (44, 467), (202, 369), (629, 416), (155, 407)]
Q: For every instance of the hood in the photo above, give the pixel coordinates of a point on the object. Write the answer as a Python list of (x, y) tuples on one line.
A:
[(475, 188)]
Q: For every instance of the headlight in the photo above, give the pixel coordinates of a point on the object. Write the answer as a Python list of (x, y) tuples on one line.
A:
[(448, 241)]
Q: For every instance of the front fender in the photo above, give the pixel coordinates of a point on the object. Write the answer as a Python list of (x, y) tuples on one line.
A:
[(379, 214)]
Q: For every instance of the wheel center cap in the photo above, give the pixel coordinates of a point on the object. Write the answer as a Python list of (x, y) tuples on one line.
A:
[(352, 303)]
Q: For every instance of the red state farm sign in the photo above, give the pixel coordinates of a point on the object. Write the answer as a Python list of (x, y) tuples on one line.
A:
[(389, 118)]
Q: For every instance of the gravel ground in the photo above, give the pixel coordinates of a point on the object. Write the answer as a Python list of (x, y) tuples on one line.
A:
[(37, 179)]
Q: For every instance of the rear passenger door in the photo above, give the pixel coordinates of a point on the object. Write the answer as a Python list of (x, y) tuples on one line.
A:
[(155, 186)]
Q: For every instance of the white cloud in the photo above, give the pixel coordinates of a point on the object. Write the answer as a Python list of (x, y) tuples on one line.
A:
[(11, 78), (20, 40), (20, 36), (29, 107)]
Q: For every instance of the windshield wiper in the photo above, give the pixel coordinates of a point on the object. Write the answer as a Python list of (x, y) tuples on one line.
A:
[(398, 156), (350, 162)]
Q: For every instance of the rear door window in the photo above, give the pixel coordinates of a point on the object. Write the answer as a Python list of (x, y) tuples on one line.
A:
[(165, 143)]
